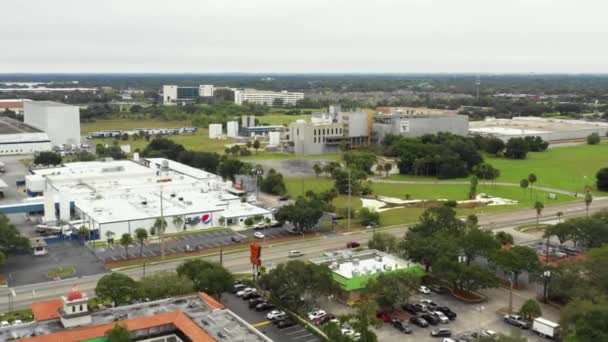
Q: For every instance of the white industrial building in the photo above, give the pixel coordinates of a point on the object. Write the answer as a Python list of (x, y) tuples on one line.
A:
[(19, 138), (121, 196), (215, 131), (61, 122), (232, 129), (266, 97), (179, 95)]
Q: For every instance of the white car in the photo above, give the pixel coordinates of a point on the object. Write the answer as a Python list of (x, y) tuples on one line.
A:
[(489, 333), (442, 317), (294, 253), (274, 313), (245, 291), (350, 333), (423, 289), (17, 322), (316, 314), (4, 324), (258, 235), (447, 339)]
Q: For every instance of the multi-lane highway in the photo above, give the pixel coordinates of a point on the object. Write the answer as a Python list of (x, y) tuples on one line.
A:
[(273, 253)]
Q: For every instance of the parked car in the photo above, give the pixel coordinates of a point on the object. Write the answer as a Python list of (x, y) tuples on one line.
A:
[(350, 333), (438, 289), (441, 332), (466, 338), (236, 238), (260, 225), (264, 306), (238, 287), (489, 333), (4, 324), (424, 290), (316, 314), (245, 291), (443, 319), (251, 295), (432, 319), (324, 319), (258, 235), (383, 316), (286, 323), (411, 308), (447, 339), (429, 303), (401, 326), (254, 302), (545, 327), (517, 320), (294, 253), (353, 244), (446, 311), (419, 321), (274, 314), (17, 322)]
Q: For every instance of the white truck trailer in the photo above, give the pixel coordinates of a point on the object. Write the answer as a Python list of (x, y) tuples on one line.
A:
[(545, 328)]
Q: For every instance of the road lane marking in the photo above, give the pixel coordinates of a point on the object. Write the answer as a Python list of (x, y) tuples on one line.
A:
[(261, 324)]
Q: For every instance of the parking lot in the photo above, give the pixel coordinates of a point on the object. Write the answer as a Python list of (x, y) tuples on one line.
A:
[(186, 242), (258, 319), (471, 317)]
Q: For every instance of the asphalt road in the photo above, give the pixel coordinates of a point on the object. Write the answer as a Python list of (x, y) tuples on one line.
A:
[(24, 296)]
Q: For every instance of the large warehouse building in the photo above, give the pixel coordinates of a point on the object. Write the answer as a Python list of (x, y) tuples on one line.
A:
[(547, 128), (19, 138), (61, 122), (415, 122), (121, 196)]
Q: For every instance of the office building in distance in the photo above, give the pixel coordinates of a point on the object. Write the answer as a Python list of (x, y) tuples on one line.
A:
[(178, 95), (327, 131), (267, 97), (415, 122)]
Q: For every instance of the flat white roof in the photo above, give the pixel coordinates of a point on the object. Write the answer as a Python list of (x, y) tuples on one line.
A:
[(123, 190), (350, 264)]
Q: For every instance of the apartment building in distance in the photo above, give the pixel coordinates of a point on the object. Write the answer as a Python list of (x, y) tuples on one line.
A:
[(267, 97), (178, 95)]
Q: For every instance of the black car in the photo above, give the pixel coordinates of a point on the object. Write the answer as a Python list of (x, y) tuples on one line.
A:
[(419, 321), (432, 319), (251, 295), (411, 308), (286, 323), (446, 311), (401, 326), (441, 332), (264, 306), (254, 302)]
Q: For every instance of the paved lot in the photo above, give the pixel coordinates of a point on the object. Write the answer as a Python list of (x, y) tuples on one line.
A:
[(471, 317), (25, 269), (293, 167), (258, 319), (184, 243)]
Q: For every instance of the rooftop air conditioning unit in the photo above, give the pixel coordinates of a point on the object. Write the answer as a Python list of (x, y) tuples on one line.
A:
[(144, 202), (172, 195), (181, 198)]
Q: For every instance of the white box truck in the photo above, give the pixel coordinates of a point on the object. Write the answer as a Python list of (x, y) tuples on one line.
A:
[(545, 328)]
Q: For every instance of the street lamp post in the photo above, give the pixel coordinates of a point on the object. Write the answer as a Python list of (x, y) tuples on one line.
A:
[(546, 278)]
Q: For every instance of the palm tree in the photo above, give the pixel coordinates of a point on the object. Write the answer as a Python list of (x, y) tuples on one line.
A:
[(524, 183), (539, 206), (559, 215), (178, 222), (588, 200), (532, 179), (125, 240), (141, 234), (109, 235), (159, 227), (83, 232), (387, 168)]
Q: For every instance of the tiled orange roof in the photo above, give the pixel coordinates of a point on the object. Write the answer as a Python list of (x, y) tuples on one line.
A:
[(177, 318), (44, 311), (210, 301)]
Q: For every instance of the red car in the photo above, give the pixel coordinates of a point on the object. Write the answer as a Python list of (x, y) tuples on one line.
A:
[(353, 244), (384, 316)]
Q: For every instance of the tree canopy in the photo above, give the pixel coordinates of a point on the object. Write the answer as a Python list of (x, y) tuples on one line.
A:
[(117, 287), (206, 276)]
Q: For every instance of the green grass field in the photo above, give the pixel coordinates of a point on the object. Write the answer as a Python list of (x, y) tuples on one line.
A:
[(568, 168)]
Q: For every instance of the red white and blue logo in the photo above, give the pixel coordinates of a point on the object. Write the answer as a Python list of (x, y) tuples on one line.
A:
[(206, 218)]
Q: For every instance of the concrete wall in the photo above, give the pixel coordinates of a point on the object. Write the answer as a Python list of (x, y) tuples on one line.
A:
[(310, 139), (356, 123), (232, 129), (215, 130), (169, 94), (412, 127)]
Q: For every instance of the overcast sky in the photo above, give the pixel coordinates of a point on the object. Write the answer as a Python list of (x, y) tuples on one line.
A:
[(273, 36)]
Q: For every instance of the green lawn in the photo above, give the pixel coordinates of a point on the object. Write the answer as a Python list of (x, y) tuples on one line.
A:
[(569, 168)]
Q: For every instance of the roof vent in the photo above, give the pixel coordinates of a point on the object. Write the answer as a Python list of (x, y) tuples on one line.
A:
[(144, 202)]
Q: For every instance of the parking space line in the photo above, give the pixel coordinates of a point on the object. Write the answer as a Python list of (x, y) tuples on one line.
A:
[(261, 324), (295, 332), (309, 334)]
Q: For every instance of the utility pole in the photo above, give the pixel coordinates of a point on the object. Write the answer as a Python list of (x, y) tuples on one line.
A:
[(511, 275), (477, 83), (162, 226), (348, 199)]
